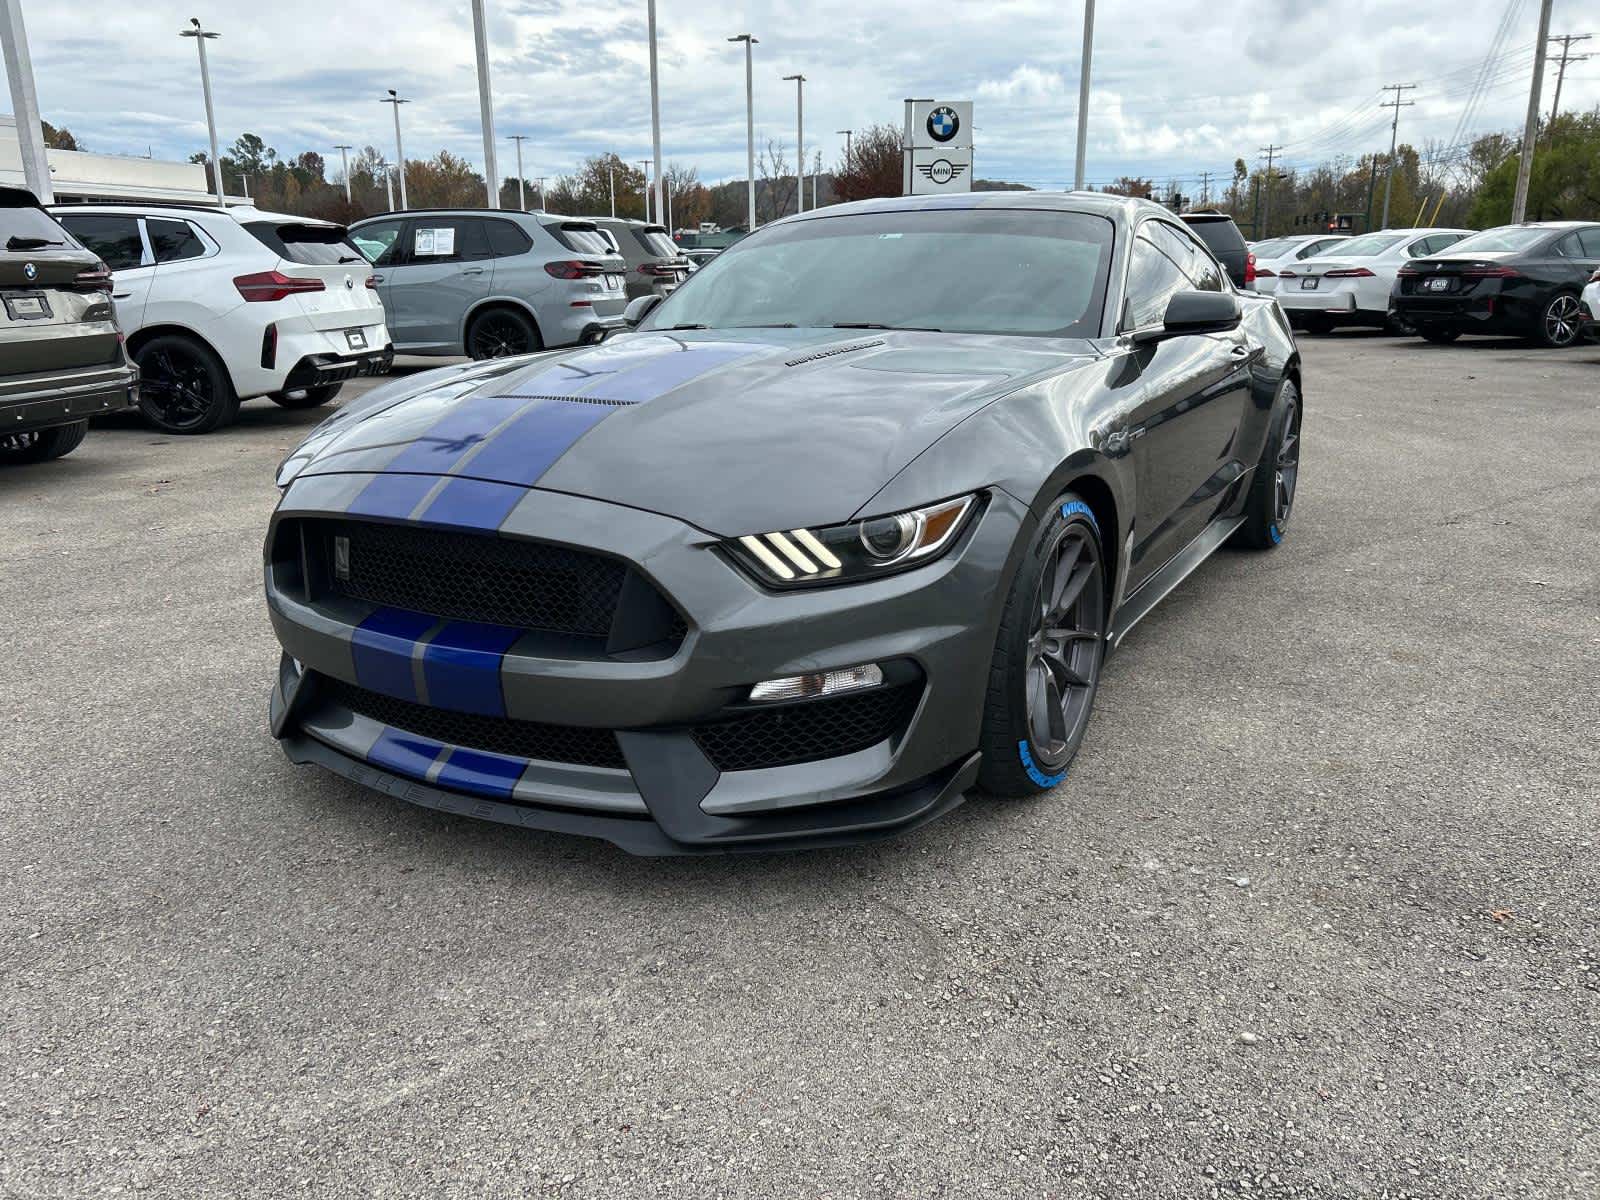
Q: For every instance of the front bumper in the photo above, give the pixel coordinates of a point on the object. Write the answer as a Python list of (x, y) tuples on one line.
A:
[(29, 403), (667, 793)]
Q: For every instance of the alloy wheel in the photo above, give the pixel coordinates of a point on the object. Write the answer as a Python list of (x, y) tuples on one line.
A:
[(1562, 321), (18, 443), (175, 388), (496, 335), (1064, 648), (1288, 467)]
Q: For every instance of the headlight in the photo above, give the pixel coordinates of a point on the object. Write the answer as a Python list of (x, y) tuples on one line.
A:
[(856, 550)]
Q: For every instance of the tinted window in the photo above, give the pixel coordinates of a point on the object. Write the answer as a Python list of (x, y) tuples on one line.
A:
[(1369, 246), (969, 271), (584, 239), (506, 238), (1276, 248), (1420, 247), (1589, 239), (1223, 237), (656, 242), (29, 224), (377, 241), (446, 239), (173, 241), (115, 239), (1443, 241), (1152, 280), (1317, 247), (1196, 264), (1568, 247), (311, 245), (1506, 237)]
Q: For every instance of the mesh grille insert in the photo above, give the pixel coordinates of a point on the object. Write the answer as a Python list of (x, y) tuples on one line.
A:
[(807, 732)]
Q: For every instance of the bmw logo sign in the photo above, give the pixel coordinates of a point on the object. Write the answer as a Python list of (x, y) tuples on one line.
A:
[(29, 271), (943, 124), (349, 283)]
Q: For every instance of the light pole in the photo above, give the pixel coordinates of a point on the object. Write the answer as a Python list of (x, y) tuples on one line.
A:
[(611, 176), (645, 163), (491, 169), (799, 141), (522, 199), (847, 133), (749, 125), (388, 182), (24, 102), (1083, 93), (399, 147), (344, 157), (655, 106), (201, 37)]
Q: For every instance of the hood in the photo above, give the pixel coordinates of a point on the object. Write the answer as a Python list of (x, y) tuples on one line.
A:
[(735, 432)]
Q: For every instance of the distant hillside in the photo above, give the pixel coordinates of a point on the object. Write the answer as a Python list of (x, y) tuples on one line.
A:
[(998, 185)]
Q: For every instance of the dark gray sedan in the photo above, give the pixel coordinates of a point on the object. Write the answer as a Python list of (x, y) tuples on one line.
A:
[(844, 529)]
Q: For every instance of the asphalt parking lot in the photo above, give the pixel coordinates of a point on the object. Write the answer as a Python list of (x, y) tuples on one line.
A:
[(1314, 914)]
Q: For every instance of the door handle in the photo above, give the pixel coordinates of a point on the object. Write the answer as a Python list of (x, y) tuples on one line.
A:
[(472, 271), (120, 295), (377, 279)]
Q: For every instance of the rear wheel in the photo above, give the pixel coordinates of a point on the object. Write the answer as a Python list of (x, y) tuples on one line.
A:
[(1047, 658), (183, 388), (1439, 335), (501, 333), (311, 397), (42, 445), (1271, 498), (1561, 323)]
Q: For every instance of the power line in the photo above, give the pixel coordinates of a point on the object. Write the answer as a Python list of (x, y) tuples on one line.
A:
[(1566, 40)]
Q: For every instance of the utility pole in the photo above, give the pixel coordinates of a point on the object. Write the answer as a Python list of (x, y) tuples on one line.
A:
[(1566, 40), (344, 157), (25, 103), (1394, 134), (1205, 188), (645, 163), (611, 175), (522, 198), (388, 182), (655, 108), (799, 140), (1083, 93), (1266, 219), (201, 37), (749, 126), (399, 147), (491, 168), (1530, 129), (847, 133)]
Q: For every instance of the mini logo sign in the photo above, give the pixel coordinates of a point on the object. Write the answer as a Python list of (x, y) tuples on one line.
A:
[(29, 271), (942, 170), (943, 123)]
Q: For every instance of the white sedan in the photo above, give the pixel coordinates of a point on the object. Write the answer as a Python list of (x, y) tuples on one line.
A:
[(1274, 254), (1591, 306), (1349, 284)]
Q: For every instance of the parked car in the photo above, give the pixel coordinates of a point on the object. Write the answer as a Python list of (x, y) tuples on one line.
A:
[(656, 265), (928, 465), (1519, 279), (1590, 302), (62, 358), (699, 256), (492, 284), (1273, 255), (1226, 243), (1349, 284), (223, 305)]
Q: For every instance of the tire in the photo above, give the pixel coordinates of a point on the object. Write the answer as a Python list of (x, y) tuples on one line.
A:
[(1041, 689), (1560, 322), (1317, 323), (1438, 335), (183, 386), (1270, 501), (1397, 326), (42, 445), (311, 397), (501, 333)]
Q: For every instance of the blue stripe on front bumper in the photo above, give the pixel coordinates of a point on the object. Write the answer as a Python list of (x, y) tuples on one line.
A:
[(405, 753), (382, 647), (485, 774), (461, 665)]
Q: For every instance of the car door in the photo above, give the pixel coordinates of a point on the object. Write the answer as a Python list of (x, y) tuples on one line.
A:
[(1579, 252), (1184, 430), (119, 241), (446, 268), (381, 242)]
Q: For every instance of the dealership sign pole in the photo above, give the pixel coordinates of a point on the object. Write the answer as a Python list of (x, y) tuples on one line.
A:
[(399, 147), (1083, 94), (938, 147), (201, 37), (25, 102), (491, 168), (749, 126)]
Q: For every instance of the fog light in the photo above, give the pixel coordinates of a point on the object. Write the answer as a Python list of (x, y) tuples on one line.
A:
[(821, 683)]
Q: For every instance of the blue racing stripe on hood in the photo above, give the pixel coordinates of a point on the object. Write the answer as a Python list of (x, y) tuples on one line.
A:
[(391, 496), (473, 503), (661, 373), (472, 419), (526, 448)]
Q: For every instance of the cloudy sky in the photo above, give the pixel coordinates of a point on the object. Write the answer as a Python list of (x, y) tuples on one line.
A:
[(1180, 86)]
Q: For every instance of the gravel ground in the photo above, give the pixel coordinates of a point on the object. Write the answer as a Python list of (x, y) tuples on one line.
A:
[(1314, 914)]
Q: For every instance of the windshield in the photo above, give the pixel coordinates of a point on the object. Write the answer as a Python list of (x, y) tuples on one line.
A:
[(1364, 247), (1275, 248), (959, 270), (1507, 237)]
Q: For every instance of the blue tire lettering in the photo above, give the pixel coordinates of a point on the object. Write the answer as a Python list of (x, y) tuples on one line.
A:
[(1034, 773)]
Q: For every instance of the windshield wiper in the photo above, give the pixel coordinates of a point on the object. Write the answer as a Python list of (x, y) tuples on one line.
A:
[(349, 258), (876, 325), (31, 243), (689, 325)]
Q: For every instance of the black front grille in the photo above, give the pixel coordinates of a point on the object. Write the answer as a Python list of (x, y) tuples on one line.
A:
[(573, 744), (806, 732), (477, 577)]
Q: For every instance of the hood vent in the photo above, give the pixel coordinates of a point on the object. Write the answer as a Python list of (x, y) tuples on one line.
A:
[(850, 349), (579, 400)]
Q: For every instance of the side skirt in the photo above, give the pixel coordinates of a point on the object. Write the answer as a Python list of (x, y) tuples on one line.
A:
[(1155, 589)]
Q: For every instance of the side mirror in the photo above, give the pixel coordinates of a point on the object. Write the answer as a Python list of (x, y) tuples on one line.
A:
[(638, 309), (1195, 312)]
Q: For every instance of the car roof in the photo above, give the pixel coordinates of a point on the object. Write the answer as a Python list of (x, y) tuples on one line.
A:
[(533, 213), (243, 214), (1125, 208)]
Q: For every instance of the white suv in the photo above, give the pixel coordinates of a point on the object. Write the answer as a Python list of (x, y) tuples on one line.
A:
[(222, 305)]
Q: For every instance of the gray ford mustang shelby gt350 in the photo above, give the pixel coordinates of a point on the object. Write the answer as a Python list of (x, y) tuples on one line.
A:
[(842, 529)]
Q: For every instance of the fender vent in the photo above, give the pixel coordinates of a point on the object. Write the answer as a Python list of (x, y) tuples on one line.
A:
[(795, 362)]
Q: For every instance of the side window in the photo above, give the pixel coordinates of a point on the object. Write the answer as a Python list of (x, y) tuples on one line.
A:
[(377, 241), (1420, 248), (446, 239), (1568, 247), (506, 239), (115, 239), (1443, 241), (1193, 260), (1152, 280), (1589, 239), (173, 241)]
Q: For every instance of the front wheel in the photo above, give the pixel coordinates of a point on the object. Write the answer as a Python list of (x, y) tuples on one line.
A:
[(1271, 497), (311, 397), (501, 333), (1047, 658), (1561, 323), (183, 388), (41, 445)]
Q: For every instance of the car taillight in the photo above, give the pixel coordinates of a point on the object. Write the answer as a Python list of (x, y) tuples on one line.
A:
[(573, 269), (372, 282), (1349, 273), (1266, 273), (1407, 271), (1595, 278), (274, 285), (657, 269), (1250, 266), (1492, 273), (93, 279), (1287, 275)]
